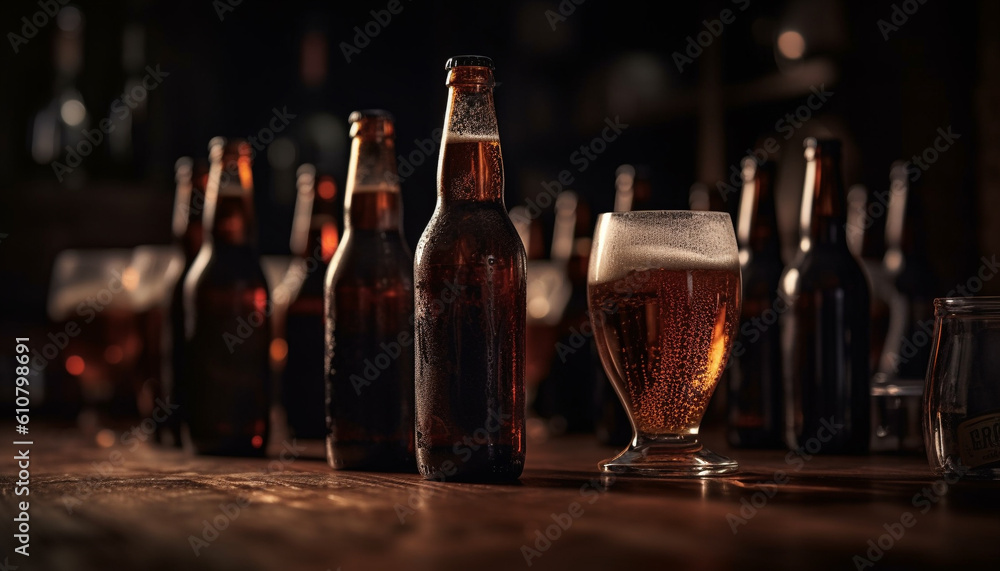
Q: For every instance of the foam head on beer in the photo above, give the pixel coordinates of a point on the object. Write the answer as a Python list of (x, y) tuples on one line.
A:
[(636, 240)]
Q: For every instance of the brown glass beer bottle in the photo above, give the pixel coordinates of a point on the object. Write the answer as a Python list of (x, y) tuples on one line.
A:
[(754, 377), (369, 312), (470, 299), (227, 317), (314, 240), (827, 329)]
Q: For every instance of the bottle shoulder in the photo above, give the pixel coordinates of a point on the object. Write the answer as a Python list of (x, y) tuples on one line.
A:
[(371, 256), (826, 268), (463, 231)]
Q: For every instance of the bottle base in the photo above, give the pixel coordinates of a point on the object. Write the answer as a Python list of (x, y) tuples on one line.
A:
[(486, 464)]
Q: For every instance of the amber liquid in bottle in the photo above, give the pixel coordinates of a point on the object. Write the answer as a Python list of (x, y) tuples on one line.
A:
[(470, 300), (369, 312), (227, 324)]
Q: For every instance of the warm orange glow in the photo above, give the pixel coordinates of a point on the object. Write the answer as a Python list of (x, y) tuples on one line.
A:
[(279, 349), (717, 353), (260, 299), (113, 354), (105, 438), (130, 278), (328, 241), (75, 365), (257, 441), (246, 173), (791, 44), (326, 189)]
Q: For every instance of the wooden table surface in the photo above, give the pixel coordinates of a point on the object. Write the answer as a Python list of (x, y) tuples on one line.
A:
[(144, 507)]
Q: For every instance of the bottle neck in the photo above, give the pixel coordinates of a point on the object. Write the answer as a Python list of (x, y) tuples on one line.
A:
[(470, 168), (758, 221), (229, 212), (824, 207), (372, 201)]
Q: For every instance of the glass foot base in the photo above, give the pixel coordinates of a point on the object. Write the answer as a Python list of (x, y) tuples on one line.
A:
[(668, 456)]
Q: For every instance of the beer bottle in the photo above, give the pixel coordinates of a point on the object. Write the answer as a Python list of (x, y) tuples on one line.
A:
[(754, 377), (189, 201), (227, 309), (313, 243), (369, 312), (827, 331), (470, 299)]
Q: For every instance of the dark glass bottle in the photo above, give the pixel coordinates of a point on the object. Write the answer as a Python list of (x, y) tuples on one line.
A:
[(369, 312), (189, 204), (754, 377), (827, 328), (227, 317), (470, 299), (315, 235)]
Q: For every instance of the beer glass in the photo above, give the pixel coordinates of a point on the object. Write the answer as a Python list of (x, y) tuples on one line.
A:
[(962, 397), (664, 294)]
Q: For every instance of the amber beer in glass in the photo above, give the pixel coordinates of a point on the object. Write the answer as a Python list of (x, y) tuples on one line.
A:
[(227, 325), (664, 297), (470, 299), (827, 326), (369, 312)]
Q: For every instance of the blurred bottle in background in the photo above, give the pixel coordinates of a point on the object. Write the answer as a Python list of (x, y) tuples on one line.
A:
[(227, 306), (826, 330), (315, 235), (189, 204), (898, 383), (369, 310), (867, 245), (755, 381)]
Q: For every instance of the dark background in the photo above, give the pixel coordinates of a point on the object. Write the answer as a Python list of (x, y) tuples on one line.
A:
[(556, 88)]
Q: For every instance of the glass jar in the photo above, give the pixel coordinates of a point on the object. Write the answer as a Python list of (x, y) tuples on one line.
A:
[(962, 397)]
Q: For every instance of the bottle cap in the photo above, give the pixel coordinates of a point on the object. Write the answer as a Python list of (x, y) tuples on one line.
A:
[(469, 60)]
